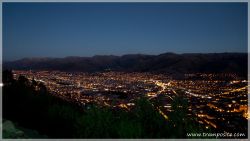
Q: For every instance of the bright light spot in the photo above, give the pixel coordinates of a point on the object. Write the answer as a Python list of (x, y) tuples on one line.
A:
[(1, 84)]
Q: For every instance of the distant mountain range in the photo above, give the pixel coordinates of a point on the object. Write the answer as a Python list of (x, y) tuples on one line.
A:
[(164, 63)]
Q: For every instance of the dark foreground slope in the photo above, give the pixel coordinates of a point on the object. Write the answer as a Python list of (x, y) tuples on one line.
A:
[(168, 63), (35, 113)]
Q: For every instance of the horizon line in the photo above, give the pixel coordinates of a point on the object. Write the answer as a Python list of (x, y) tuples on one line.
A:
[(50, 57)]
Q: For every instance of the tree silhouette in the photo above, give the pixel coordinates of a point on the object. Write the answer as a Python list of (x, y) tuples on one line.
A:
[(7, 76)]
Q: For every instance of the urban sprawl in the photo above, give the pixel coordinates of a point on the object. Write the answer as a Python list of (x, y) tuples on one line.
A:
[(217, 101)]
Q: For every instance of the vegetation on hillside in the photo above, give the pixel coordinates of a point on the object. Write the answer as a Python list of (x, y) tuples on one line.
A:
[(31, 106)]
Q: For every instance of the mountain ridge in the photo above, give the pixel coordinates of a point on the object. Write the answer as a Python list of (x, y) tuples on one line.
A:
[(170, 63)]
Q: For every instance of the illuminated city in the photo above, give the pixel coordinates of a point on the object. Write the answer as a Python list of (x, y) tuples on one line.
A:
[(216, 103)]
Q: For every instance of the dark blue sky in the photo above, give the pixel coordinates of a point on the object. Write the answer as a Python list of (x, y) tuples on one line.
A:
[(87, 29)]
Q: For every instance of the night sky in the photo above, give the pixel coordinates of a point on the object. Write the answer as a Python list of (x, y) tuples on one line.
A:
[(87, 29)]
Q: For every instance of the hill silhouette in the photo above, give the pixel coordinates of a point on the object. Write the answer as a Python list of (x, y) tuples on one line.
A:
[(170, 63)]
